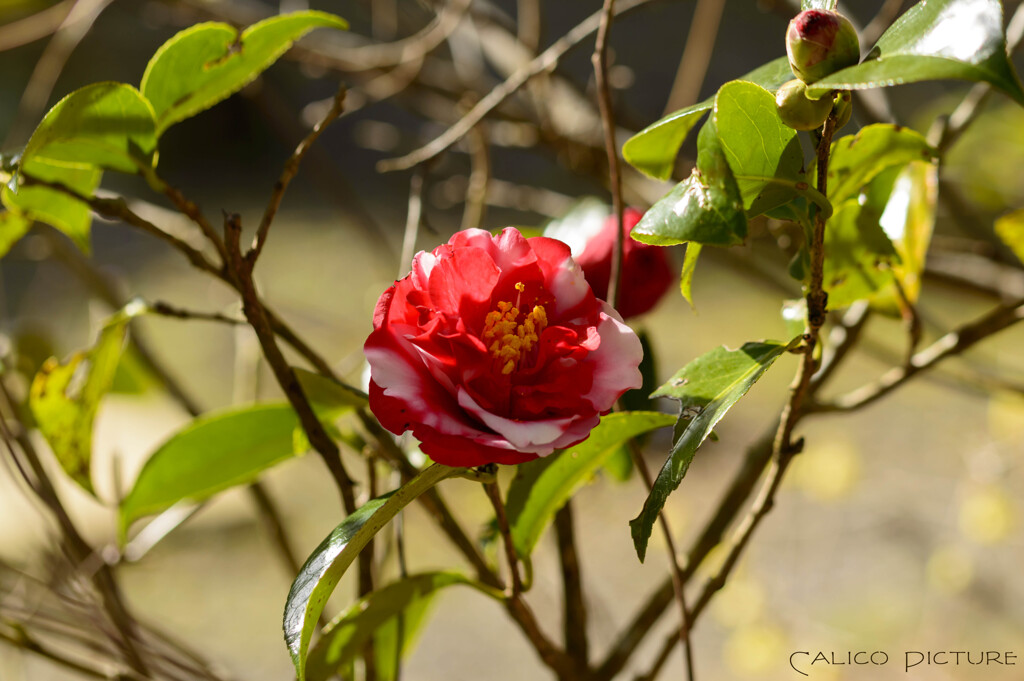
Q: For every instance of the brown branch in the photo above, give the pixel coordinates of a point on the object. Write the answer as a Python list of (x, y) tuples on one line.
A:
[(949, 345), (547, 60), (494, 495), (186, 207), (34, 26), (574, 616), (604, 101), (291, 167), (102, 577), (258, 318), (117, 209), (479, 178), (22, 640), (413, 220), (678, 577)]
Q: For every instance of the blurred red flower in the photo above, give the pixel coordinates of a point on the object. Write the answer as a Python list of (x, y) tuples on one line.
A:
[(646, 273), (495, 350)]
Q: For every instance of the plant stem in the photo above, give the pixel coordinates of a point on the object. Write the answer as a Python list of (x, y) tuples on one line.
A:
[(574, 617)]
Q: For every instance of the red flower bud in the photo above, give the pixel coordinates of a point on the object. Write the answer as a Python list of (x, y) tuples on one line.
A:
[(645, 274), (820, 43)]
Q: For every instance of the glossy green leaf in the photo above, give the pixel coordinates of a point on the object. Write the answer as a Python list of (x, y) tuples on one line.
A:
[(909, 220), (689, 268), (325, 566), (208, 62), (857, 159), (706, 388), (13, 226), (329, 398), (376, 616), (935, 40), (582, 222), (541, 487), (653, 150), (64, 399), (763, 153), (828, 5), (1010, 230), (69, 215), (103, 125), (212, 453), (706, 208)]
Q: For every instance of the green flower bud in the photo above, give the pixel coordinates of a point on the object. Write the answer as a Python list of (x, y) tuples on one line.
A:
[(799, 112), (820, 43), (844, 108)]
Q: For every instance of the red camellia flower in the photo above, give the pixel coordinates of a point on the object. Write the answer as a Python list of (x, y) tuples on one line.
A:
[(646, 274), (495, 350)]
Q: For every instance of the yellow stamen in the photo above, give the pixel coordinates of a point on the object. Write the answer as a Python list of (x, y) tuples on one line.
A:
[(508, 340)]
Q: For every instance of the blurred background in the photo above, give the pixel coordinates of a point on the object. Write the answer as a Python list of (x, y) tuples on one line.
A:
[(899, 528)]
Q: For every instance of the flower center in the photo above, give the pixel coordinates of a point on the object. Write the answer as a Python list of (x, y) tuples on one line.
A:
[(509, 339)]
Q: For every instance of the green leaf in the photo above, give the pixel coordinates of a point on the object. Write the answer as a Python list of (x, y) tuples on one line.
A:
[(706, 208), (935, 40), (706, 388), (542, 486), (64, 399), (1010, 230), (686, 276), (209, 62), (325, 566), (211, 454), (103, 125), (909, 220), (858, 255), (328, 397), (857, 159), (653, 150), (13, 226), (827, 5), (344, 639), (763, 153), (67, 214)]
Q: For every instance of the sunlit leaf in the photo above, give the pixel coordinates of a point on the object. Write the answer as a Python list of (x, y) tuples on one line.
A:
[(325, 566), (64, 399), (857, 159), (828, 5), (935, 40), (763, 153), (706, 208), (1010, 230), (542, 486), (67, 214), (103, 125), (375, 616), (212, 453), (653, 150), (858, 255), (706, 388), (689, 268), (208, 62), (908, 221)]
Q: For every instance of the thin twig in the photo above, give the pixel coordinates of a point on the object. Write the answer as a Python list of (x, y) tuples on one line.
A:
[(949, 345), (693, 65), (479, 178), (547, 60), (102, 577), (257, 316), (291, 167), (678, 577), (413, 220), (494, 495), (75, 26), (23, 641), (599, 60), (167, 310), (34, 26), (574, 616)]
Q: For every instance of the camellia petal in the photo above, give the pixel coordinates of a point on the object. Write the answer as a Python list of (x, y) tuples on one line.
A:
[(494, 350)]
